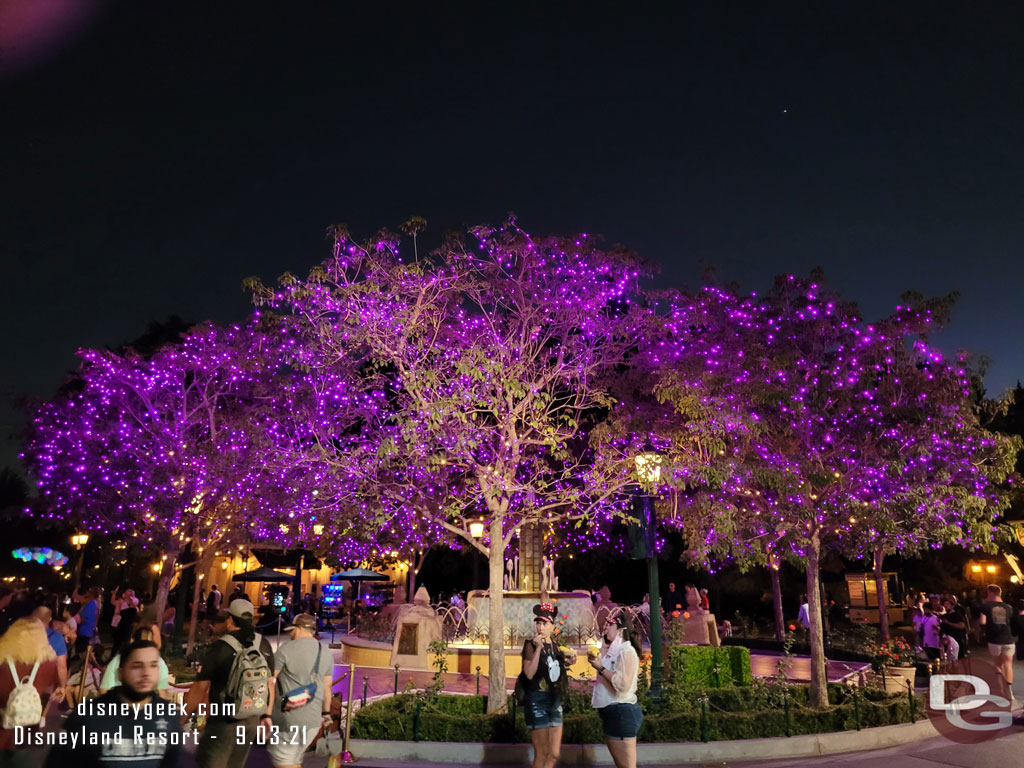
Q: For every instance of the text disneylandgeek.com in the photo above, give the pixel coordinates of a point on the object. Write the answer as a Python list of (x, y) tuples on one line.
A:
[(158, 713)]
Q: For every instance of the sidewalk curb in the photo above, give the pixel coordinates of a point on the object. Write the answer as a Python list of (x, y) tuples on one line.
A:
[(811, 745)]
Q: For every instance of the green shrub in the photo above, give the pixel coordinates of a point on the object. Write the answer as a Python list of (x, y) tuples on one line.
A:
[(460, 705), (671, 726), (733, 713), (704, 666)]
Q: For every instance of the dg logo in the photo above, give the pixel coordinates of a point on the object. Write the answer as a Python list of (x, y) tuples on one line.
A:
[(969, 701)]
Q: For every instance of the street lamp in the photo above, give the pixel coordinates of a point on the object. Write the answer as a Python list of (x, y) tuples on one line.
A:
[(476, 530), (648, 466), (648, 472), (79, 540)]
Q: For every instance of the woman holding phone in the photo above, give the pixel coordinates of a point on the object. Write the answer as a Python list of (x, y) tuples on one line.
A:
[(618, 666)]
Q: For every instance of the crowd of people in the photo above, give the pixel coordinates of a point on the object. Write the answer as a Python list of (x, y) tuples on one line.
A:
[(947, 626), (48, 644), (53, 648)]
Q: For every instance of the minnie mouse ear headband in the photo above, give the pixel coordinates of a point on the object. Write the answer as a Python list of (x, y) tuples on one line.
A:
[(544, 611), (622, 620)]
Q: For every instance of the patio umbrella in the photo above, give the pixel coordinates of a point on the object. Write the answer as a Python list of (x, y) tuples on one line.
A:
[(359, 575), (263, 574)]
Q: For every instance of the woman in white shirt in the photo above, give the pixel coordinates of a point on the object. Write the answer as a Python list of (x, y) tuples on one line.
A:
[(618, 667)]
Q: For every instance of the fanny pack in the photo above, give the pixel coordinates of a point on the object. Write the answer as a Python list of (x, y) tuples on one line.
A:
[(301, 696)]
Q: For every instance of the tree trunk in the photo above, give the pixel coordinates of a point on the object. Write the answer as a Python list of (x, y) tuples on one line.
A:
[(300, 564), (419, 558), (410, 587), (496, 694), (181, 606), (817, 695), (185, 576), (780, 617), (883, 609), (164, 585), (196, 611)]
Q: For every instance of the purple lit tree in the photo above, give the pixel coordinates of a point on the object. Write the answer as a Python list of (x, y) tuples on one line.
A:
[(166, 450), (491, 361), (833, 416), (943, 477)]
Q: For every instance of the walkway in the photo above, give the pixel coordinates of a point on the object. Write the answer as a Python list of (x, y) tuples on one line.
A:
[(1003, 752), (381, 681)]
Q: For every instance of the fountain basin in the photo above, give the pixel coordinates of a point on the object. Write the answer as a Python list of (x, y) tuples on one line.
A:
[(579, 624)]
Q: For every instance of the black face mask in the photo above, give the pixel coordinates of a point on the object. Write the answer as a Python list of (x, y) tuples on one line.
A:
[(134, 696)]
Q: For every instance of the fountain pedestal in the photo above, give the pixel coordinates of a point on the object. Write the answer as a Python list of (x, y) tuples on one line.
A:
[(416, 627)]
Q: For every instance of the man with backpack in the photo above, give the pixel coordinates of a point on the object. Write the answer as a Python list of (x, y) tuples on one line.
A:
[(237, 674)]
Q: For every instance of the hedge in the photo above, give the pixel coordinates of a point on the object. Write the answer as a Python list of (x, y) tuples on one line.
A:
[(694, 665), (459, 718)]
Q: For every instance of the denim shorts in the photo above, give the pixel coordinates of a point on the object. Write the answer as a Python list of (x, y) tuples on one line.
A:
[(542, 709), (621, 721)]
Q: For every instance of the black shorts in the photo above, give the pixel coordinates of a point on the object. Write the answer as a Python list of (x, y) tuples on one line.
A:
[(621, 721)]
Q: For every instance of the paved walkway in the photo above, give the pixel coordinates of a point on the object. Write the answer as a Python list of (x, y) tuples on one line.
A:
[(1003, 752), (381, 681)]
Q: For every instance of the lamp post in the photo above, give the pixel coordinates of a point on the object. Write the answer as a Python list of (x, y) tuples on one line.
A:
[(79, 540), (476, 530), (648, 470)]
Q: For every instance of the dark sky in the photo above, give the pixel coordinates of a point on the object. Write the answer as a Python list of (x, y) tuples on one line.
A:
[(155, 154)]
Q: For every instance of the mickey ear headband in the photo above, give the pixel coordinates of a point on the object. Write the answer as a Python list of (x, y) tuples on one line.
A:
[(544, 611), (622, 620)]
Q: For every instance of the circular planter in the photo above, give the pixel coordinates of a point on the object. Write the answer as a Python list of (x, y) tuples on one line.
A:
[(896, 678)]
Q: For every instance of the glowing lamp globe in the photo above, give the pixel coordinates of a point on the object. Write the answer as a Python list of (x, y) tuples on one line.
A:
[(648, 465)]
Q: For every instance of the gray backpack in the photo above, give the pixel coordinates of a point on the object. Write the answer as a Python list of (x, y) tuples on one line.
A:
[(248, 681)]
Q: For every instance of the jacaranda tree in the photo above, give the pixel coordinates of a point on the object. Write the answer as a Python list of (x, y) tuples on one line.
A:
[(845, 420), (164, 450), (492, 358)]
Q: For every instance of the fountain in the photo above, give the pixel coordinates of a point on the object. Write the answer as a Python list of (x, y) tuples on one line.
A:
[(530, 579)]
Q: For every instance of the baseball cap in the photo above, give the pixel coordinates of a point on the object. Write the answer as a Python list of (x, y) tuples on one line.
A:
[(241, 609), (303, 621)]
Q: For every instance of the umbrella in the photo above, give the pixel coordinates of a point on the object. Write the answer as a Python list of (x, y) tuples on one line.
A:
[(263, 574), (359, 574)]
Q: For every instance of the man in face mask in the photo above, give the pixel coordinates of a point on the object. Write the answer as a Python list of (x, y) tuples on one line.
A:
[(130, 726)]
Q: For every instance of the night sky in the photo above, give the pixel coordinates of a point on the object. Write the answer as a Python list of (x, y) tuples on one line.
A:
[(152, 155)]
